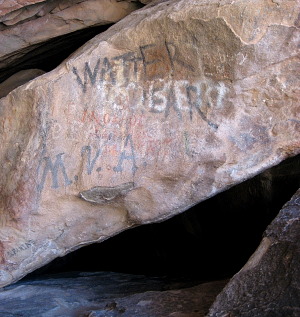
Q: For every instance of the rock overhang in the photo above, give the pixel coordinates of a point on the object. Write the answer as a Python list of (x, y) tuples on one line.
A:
[(168, 107)]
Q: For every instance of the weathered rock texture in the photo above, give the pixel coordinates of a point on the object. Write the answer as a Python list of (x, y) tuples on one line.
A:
[(23, 27), (107, 295), (170, 106), (269, 284), (8, 6)]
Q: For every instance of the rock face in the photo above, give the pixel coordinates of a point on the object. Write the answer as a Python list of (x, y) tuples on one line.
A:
[(268, 285), (175, 103)]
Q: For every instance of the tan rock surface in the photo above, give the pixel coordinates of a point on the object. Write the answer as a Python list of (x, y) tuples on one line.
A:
[(170, 106), (7, 6)]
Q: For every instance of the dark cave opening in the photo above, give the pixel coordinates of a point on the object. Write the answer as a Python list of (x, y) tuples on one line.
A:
[(48, 55), (210, 241)]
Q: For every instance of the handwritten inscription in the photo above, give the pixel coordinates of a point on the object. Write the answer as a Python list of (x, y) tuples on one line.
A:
[(185, 100), (55, 168), (183, 97), (123, 93), (145, 80), (90, 162), (126, 67), (22, 247), (124, 156)]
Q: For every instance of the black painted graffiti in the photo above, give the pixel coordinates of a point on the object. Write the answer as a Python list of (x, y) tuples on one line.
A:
[(170, 102), (90, 162), (106, 71), (53, 169), (127, 65), (174, 57), (159, 95), (127, 157), (195, 103), (184, 97), (87, 73), (48, 168)]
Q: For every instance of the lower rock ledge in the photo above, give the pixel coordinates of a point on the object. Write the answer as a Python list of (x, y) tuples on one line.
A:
[(107, 294)]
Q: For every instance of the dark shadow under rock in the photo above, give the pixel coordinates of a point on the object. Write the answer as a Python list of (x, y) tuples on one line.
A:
[(269, 284), (107, 294)]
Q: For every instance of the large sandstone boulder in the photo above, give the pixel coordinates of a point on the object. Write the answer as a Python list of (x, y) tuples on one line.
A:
[(175, 103), (268, 285)]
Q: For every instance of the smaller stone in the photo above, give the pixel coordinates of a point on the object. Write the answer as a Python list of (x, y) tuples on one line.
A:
[(101, 194), (18, 79), (22, 14), (270, 280), (8, 6)]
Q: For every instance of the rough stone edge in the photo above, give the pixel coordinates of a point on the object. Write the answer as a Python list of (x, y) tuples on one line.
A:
[(274, 235)]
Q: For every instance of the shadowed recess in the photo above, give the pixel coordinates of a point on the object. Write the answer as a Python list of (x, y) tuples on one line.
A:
[(212, 240), (48, 55)]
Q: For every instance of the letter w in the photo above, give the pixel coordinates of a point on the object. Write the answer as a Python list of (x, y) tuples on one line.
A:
[(87, 73)]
